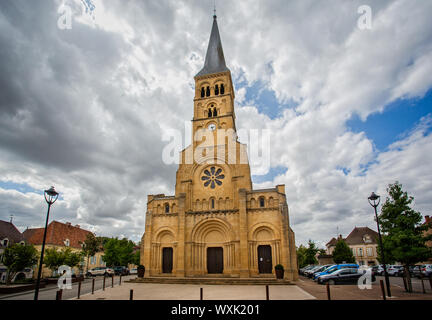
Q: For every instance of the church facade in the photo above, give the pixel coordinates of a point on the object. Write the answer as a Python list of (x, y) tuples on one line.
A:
[(216, 225)]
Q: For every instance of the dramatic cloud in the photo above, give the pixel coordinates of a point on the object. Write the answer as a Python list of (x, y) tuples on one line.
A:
[(85, 109)]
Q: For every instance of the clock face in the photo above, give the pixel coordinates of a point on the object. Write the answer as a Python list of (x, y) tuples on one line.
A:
[(212, 127)]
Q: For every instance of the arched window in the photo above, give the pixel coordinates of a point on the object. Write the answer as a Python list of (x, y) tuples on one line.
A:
[(217, 90), (262, 202), (167, 208), (222, 89), (210, 114), (214, 112), (208, 92), (202, 92), (212, 203)]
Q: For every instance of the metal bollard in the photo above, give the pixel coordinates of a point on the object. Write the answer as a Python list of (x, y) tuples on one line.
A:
[(120, 280), (382, 289), (267, 293), (59, 294), (79, 288), (103, 288), (201, 294), (328, 291), (131, 295), (112, 280), (430, 281), (93, 285)]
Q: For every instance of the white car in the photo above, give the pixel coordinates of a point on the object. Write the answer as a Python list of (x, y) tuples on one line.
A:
[(133, 271), (395, 270), (100, 271)]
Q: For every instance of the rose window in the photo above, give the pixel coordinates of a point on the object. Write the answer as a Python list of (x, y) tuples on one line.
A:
[(212, 177)]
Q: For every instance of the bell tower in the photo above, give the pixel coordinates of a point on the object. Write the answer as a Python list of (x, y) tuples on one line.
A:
[(214, 90)]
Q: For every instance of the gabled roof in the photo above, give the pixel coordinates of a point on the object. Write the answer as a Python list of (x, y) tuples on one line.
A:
[(57, 233), (9, 231), (215, 60), (332, 242), (362, 235)]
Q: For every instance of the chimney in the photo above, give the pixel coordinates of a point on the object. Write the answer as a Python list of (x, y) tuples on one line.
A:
[(78, 226), (427, 219), (68, 223)]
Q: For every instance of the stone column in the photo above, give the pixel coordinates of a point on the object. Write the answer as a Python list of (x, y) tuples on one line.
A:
[(244, 268), (181, 236), (146, 248)]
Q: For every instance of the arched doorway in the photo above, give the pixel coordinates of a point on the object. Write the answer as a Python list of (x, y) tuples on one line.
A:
[(265, 259), (215, 261), (167, 260)]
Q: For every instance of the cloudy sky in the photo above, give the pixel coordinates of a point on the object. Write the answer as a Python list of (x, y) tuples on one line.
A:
[(84, 109)]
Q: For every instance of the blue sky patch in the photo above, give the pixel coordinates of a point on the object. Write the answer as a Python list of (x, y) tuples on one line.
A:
[(21, 187), (397, 119), (273, 172)]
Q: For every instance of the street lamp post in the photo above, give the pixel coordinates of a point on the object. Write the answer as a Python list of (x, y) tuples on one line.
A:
[(374, 201), (50, 197)]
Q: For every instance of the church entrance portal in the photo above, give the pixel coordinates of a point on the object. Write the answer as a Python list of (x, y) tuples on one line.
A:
[(215, 260), (264, 259), (167, 260)]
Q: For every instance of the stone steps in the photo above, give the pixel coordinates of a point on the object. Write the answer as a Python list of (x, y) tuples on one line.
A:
[(212, 281)]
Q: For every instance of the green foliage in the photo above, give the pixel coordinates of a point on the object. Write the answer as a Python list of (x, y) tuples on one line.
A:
[(118, 252), (279, 267), (306, 255), (136, 258), (342, 253), (54, 258), (18, 257), (91, 246), (403, 234)]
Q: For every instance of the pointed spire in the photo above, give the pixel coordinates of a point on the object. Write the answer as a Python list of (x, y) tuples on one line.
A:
[(215, 60)]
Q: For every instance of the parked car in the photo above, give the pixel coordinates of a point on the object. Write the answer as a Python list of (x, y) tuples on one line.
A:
[(343, 276), (380, 270), (133, 271), (335, 267), (100, 271), (310, 272), (124, 271), (416, 271), (396, 271), (303, 270), (318, 270), (427, 270)]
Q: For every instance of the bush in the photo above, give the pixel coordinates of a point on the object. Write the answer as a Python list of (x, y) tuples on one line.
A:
[(279, 267)]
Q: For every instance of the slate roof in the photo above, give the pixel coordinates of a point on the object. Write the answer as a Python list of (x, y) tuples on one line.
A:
[(57, 233), (215, 60), (8, 230), (357, 236)]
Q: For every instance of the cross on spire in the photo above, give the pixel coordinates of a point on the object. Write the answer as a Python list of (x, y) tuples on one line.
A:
[(214, 10)]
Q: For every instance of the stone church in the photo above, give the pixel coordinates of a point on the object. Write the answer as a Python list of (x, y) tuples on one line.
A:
[(216, 225)]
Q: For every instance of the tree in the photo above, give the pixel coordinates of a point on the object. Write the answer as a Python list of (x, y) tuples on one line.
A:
[(118, 252), (306, 255), (55, 258), (342, 253), (18, 257), (91, 246), (403, 234), (136, 258)]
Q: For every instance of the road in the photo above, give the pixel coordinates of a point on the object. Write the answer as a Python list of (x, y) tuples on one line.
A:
[(397, 281), (49, 292)]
